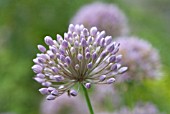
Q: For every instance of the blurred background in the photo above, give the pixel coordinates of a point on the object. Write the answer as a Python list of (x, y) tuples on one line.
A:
[(24, 24)]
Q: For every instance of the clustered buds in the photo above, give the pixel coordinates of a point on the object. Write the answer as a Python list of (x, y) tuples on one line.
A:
[(82, 56)]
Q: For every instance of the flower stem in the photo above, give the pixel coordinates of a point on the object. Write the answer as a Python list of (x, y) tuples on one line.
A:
[(87, 100)]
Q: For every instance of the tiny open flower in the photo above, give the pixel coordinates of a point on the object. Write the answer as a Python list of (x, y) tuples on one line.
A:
[(75, 59)]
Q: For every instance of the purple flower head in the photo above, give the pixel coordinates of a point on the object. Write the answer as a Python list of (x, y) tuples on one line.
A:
[(104, 16), (68, 62), (141, 58)]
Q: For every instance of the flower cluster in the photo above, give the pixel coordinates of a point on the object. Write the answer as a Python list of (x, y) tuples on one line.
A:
[(64, 105), (82, 57), (141, 58), (147, 108), (104, 16)]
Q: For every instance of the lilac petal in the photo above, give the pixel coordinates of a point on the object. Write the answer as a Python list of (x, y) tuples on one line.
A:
[(108, 40), (110, 81), (44, 91), (94, 56), (41, 48), (68, 60), (47, 84), (59, 38), (83, 42), (113, 67), (87, 55), (71, 28), (111, 47), (122, 70), (93, 31), (54, 69), (118, 58), (73, 93), (85, 32), (88, 85), (54, 92), (50, 97), (58, 78), (102, 78), (89, 65), (39, 80), (112, 58), (79, 57), (37, 68), (65, 44), (50, 89), (49, 40), (40, 75)]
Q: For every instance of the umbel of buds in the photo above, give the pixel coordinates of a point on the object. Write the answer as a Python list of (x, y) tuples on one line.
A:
[(83, 56)]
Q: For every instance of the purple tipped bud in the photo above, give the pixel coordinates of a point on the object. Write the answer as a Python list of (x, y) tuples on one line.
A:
[(79, 57), (88, 85), (111, 47), (62, 58), (102, 42), (85, 32), (40, 75), (41, 48), (89, 66), (41, 60), (110, 81), (73, 93), (122, 70), (59, 38), (94, 56), (68, 60), (44, 91), (87, 55), (65, 44), (39, 80), (58, 78), (54, 92), (47, 84), (83, 42), (72, 50), (53, 49), (71, 28), (77, 66), (103, 54), (87, 50), (89, 40), (51, 54), (54, 69), (77, 29), (93, 31), (76, 43), (37, 68), (112, 58), (50, 89), (108, 40), (102, 78), (50, 97), (113, 67), (115, 50), (118, 58), (49, 40)]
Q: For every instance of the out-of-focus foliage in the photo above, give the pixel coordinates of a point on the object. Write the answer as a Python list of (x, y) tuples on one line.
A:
[(24, 23)]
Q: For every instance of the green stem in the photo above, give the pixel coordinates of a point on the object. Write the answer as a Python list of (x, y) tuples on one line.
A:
[(87, 100)]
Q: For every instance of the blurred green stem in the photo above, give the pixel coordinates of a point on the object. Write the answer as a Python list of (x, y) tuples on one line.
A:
[(87, 99)]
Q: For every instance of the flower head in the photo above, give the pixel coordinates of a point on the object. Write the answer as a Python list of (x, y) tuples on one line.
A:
[(82, 56), (147, 108), (141, 58), (104, 16)]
